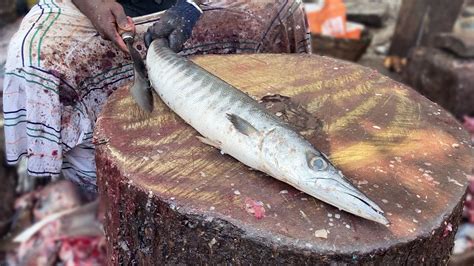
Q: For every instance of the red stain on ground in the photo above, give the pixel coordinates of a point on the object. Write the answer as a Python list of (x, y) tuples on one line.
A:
[(447, 230), (469, 203), (255, 207), (469, 124)]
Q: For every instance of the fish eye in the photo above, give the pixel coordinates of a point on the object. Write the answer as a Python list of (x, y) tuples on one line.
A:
[(316, 162)]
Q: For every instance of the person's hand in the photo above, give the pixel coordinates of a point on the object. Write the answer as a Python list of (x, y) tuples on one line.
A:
[(109, 18), (110, 21), (175, 25)]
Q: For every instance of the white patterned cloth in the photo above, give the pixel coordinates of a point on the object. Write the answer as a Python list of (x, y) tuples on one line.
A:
[(59, 73)]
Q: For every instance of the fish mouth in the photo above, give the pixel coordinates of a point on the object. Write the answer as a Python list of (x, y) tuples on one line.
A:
[(339, 192), (377, 215), (359, 205)]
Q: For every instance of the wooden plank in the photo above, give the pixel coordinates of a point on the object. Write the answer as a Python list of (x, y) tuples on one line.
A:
[(170, 198)]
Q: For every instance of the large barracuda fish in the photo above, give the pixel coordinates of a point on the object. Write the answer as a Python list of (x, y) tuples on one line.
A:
[(233, 122)]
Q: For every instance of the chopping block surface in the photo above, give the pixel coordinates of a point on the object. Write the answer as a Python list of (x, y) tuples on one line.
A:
[(402, 150)]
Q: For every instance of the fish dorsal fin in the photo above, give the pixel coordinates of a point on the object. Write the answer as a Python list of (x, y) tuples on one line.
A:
[(242, 125)]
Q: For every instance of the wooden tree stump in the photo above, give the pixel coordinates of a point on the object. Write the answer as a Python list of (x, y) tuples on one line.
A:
[(170, 198), (442, 77)]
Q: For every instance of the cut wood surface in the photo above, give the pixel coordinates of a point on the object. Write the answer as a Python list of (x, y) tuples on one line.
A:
[(169, 197)]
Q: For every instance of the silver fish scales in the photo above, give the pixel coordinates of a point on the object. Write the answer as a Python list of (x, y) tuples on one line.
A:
[(233, 122)]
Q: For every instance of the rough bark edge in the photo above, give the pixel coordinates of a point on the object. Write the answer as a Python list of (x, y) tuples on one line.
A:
[(142, 229), (448, 79)]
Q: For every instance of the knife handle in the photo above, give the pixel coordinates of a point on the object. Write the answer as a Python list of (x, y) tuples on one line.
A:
[(128, 36)]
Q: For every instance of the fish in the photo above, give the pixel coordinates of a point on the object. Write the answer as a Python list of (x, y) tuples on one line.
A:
[(236, 124)]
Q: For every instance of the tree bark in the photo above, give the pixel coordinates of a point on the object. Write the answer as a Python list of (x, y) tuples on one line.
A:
[(171, 199)]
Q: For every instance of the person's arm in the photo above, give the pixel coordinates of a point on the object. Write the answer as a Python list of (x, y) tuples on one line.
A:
[(108, 17), (175, 25)]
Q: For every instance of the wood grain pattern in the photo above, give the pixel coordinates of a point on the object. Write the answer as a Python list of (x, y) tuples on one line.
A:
[(405, 152)]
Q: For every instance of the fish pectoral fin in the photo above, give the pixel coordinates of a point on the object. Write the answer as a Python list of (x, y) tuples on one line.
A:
[(215, 144), (242, 125)]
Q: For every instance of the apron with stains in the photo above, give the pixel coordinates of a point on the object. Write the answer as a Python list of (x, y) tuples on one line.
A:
[(59, 73)]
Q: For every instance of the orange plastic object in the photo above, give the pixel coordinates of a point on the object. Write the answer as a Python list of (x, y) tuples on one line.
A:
[(328, 18), (353, 30)]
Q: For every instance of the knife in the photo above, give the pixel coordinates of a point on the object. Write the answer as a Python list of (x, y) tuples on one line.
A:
[(140, 90)]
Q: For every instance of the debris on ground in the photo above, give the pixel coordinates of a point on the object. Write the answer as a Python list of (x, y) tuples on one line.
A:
[(469, 203), (323, 233), (255, 208), (469, 125), (57, 227), (464, 240), (56, 197), (83, 251)]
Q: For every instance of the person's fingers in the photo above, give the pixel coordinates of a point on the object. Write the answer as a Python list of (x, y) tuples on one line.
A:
[(123, 24), (176, 40), (130, 27), (121, 19), (161, 29), (148, 38), (130, 22), (102, 33), (109, 32), (120, 43)]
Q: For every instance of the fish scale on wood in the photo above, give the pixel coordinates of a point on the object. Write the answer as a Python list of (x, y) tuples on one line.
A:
[(239, 126)]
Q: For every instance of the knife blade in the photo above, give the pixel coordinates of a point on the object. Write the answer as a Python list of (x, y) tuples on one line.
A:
[(140, 90)]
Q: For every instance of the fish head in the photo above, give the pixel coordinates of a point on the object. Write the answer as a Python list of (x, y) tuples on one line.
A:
[(326, 183)]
